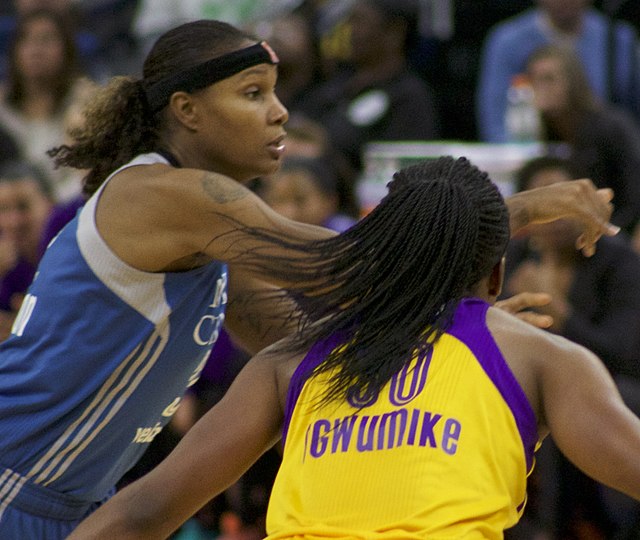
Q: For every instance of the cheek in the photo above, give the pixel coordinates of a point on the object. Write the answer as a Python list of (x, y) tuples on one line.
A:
[(233, 134)]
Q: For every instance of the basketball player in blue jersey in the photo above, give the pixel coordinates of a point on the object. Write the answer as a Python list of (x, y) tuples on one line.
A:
[(129, 298), (409, 406)]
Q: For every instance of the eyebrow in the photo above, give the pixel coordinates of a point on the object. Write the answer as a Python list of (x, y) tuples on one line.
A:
[(256, 70)]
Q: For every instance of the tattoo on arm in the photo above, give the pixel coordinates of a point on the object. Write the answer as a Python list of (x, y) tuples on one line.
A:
[(243, 305), (222, 190), (266, 316)]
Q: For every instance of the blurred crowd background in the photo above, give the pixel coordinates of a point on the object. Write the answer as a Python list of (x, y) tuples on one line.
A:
[(556, 80)]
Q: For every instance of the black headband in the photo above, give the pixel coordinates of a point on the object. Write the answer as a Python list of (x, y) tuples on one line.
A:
[(207, 73)]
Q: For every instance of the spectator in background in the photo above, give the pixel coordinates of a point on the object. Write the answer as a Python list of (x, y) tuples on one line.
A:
[(24, 206), (154, 17), (308, 138), (601, 140), (375, 96), (595, 302), (109, 23), (42, 84), (305, 189), (87, 43), (572, 23), (291, 35)]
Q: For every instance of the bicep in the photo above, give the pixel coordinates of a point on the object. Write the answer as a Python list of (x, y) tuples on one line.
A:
[(588, 420), (224, 219)]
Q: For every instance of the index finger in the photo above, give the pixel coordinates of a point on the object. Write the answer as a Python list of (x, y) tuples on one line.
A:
[(524, 300)]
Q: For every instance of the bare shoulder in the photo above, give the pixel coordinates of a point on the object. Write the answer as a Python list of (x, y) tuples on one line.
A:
[(282, 360), (150, 190), (535, 355), (523, 340), (222, 189), (176, 211), (160, 181)]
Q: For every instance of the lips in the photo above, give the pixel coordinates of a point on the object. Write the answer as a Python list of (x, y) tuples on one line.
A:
[(277, 147)]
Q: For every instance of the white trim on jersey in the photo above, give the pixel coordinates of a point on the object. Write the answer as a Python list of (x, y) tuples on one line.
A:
[(107, 402), (148, 295), (10, 485)]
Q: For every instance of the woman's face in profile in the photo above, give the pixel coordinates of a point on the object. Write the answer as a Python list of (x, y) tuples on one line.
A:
[(240, 124)]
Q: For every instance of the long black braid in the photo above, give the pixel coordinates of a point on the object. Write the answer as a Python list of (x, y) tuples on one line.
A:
[(390, 284)]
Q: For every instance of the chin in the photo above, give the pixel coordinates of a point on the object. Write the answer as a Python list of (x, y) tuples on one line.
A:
[(273, 167), (263, 169)]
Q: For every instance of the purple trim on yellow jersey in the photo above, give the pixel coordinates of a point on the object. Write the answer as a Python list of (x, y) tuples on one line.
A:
[(470, 327), (314, 357)]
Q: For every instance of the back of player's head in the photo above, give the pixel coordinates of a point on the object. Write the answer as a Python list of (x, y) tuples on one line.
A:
[(460, 199), (393, 280)]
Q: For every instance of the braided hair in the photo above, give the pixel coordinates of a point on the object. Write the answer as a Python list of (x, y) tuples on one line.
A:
[(390, 284)]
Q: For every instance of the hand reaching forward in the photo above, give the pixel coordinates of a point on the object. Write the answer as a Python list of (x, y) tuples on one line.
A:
[(520, 303), (578, 200)]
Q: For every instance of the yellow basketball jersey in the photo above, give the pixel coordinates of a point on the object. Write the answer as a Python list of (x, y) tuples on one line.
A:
[(442, 452)]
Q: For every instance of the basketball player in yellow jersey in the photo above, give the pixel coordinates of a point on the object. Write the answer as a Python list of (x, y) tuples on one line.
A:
[(409, 406)]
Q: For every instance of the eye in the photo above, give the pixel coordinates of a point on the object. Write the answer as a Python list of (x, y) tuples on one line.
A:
[(253, 92)]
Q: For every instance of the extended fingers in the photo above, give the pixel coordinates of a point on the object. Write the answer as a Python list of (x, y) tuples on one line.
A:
[(519, 303), (535, 319), (524, 300)]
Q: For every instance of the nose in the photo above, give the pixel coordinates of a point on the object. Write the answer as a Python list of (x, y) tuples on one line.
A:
[(278, 113)]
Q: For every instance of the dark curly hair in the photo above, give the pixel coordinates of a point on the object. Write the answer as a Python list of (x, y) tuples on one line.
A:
[(118, 124)]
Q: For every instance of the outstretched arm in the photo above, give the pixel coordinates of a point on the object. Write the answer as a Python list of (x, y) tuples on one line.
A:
[(587, 418), (213, 454), (188, 217), (578, 200), (257, 314)]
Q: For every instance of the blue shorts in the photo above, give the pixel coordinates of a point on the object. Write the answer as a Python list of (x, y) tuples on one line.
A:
[(36, 513)]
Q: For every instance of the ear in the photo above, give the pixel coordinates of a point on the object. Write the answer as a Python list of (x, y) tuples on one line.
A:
[(183, 107), (496, 279)]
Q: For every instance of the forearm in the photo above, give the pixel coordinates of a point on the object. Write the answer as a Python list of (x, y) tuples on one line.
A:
[(540, 205), (123, 522), (577, 200), (519, 214), (257, 314), (212, 456)]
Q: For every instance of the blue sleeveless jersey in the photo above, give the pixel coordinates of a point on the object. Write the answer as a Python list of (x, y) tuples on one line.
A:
[(99, 358)]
